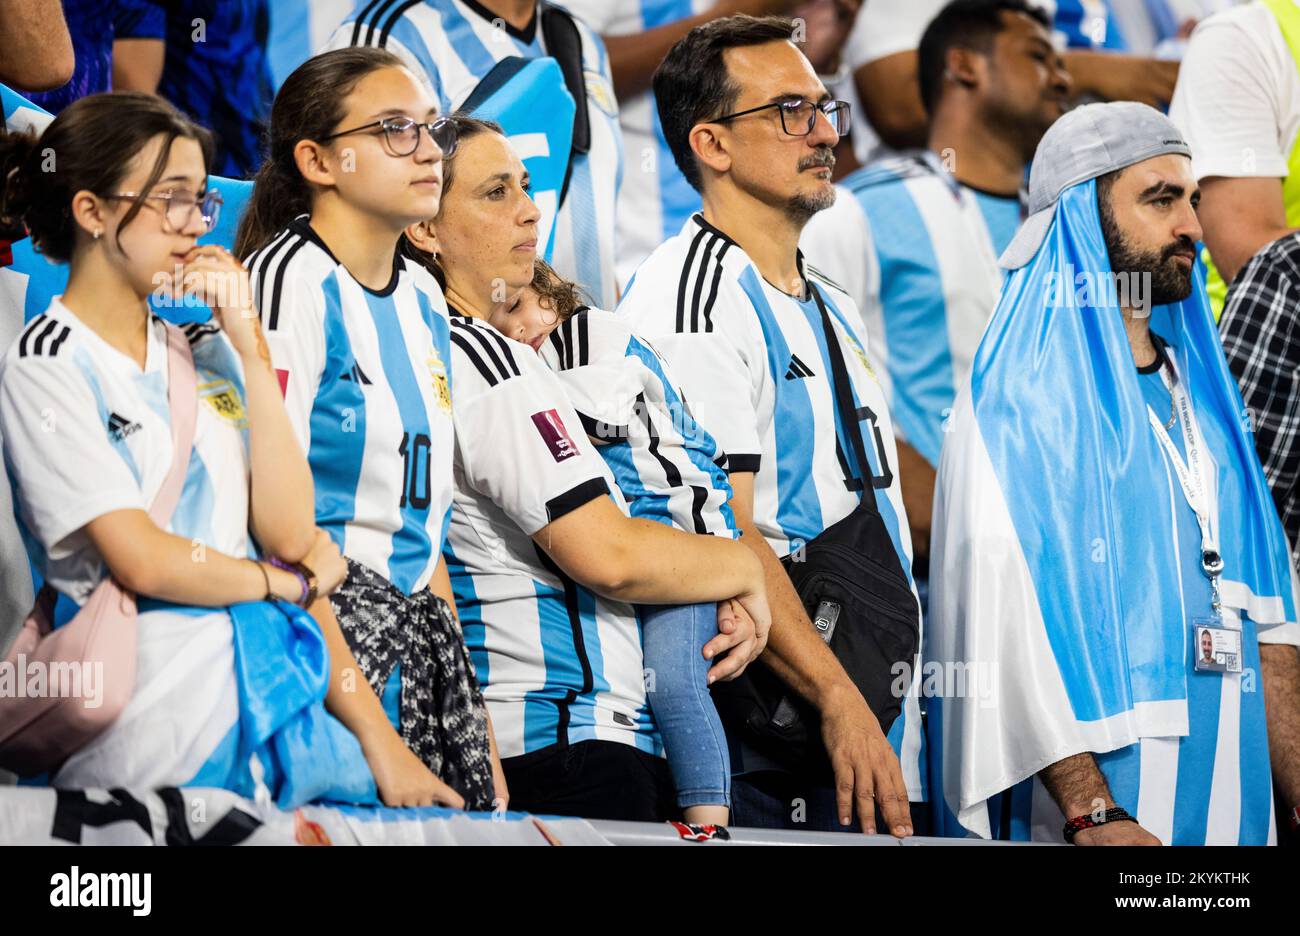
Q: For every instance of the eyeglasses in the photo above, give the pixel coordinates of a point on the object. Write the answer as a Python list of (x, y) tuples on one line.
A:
[(181, 205), (402, 134), (799, 117)]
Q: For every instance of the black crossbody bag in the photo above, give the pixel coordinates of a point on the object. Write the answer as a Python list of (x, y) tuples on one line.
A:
[(855, 592)]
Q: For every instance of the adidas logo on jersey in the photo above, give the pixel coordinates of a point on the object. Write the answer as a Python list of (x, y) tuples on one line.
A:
[(798, 369), (119, 427), (356, 375)]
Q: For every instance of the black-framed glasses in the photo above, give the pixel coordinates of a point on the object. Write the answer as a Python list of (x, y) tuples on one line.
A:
[(181, 205), (799, 117), (403, 134)]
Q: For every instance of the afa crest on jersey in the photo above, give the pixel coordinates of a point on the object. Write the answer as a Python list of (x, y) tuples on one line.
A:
[(438, 374), (223, 399)]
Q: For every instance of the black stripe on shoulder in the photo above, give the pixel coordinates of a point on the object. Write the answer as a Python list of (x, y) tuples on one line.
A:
[(713, 287), (684, 281), (699, 282), (584, 339), (493, 346), (361, 19), (259, 266), (392, 21), (33, 343), (560, 344), (374, 17), (471, 352), (273, 316), (32, 326), (258, 253)]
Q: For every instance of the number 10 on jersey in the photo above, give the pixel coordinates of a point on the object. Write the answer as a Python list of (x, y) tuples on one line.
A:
[(417, 462)]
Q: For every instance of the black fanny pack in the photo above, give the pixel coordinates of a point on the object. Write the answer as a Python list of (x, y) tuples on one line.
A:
[(857, 595)]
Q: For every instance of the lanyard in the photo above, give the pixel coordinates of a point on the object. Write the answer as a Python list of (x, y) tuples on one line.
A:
[(1195, 475)]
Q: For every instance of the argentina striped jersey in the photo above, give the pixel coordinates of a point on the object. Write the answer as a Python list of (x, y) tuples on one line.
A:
[(366, 383), (754, 364), (557, 663), (926, 282), (664, 462), (655, 199)]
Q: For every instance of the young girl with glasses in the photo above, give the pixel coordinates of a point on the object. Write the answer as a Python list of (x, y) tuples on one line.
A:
[(115, 187), (360, 340)]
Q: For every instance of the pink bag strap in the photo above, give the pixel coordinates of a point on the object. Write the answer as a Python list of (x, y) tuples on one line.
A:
[(182, 402)]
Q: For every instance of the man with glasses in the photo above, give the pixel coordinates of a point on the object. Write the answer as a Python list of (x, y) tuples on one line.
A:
[(745, 324)]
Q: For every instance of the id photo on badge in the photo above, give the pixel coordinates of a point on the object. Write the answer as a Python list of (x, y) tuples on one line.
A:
[(1218, 649)]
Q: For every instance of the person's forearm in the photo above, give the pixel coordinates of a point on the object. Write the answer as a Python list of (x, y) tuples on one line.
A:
[(659, 564), (795, 653), (153, 563), (1281, 672), (38, 48), (137, 65), (282, 508), (349, 697), (917, 476), (1077, 785)]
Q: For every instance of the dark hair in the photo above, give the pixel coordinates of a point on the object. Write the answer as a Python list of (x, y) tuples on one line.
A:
[(467, 128), (308, 106), (563, 297), (963, 24), (691, 84), (89, 146)]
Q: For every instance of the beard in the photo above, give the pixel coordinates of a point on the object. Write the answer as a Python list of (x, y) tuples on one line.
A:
[(803, 206), (1169, 282)]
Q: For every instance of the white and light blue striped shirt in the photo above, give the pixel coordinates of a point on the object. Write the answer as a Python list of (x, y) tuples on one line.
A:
[(926, 282), (655, 199), (367, 386), (753, 361), (664, 462), (452, 45), (557, 663)]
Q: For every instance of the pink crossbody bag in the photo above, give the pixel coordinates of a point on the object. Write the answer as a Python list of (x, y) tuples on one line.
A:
[(37, 734)]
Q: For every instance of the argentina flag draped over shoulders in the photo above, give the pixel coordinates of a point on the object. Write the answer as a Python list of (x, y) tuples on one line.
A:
[(1058, 587)]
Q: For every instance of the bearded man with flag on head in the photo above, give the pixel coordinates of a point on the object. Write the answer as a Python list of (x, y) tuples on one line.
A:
[(1100, 507)]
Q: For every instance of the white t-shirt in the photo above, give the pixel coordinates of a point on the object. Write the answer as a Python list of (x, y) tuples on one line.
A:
[(1238, 96), (87, 433)]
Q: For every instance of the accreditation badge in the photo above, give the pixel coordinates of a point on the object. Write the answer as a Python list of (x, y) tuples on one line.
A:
[(223, 399), (1217, 646)]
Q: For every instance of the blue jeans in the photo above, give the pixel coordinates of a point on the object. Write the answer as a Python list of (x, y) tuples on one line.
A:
[(676, 687)]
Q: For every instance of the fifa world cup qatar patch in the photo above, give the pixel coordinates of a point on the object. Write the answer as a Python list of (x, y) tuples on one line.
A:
[(554, 434)]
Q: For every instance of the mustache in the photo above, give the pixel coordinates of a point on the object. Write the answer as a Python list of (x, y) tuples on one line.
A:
[(823, 157), (1183, 247)]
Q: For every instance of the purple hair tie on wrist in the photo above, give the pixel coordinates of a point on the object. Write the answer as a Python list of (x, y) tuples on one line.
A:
[(302, 579)]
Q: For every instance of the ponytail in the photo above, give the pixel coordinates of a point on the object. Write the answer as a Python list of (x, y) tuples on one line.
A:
[(308, 106), (88, 147)]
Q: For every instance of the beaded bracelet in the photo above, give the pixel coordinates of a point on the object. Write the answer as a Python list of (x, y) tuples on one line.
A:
[(305, 576), (1086, 821), (302, 579)]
